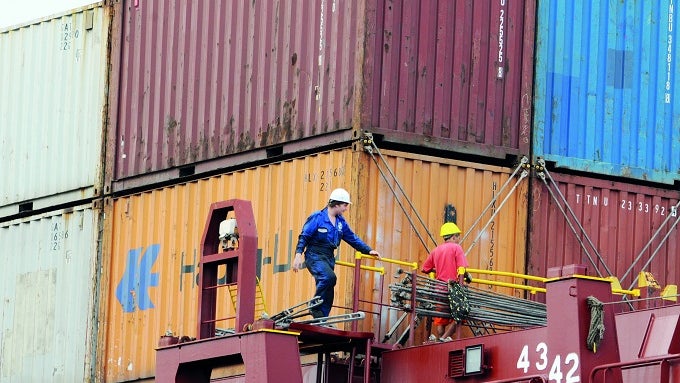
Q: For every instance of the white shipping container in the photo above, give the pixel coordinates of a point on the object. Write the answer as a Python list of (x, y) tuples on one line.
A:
[(47, 289), (52, 109)]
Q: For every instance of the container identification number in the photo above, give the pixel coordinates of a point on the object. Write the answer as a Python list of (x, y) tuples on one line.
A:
[(57, 237), (647, 208), (325, 177), (571, 363)]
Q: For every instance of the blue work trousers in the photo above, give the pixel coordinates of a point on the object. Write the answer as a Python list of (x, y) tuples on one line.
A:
[(321, 267)]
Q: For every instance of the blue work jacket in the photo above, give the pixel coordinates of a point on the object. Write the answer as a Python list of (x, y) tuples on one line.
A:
[(321, 237)]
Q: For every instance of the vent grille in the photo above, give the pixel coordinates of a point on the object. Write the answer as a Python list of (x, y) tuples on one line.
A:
[(456, 368)]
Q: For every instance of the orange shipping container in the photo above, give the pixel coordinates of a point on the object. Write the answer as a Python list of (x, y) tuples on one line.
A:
[(489, 204), (152, 240)]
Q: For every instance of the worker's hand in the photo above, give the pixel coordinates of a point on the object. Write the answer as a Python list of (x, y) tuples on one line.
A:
[(297, 262), (375, 252)]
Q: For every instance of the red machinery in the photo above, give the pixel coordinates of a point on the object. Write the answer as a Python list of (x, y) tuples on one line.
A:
[(636, 347)]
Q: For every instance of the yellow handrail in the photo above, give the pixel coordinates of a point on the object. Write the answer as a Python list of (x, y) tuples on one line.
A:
[(616, 286), (462, 270), (380, 270), (531, 289), (413, 265)]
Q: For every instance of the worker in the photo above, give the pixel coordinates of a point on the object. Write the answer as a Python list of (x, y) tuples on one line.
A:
[(445, 260), (320, 236)]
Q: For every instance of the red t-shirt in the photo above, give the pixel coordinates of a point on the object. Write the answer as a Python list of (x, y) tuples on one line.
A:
[(445, 259)]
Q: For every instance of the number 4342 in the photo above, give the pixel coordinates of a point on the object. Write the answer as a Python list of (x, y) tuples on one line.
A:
[(541, 356)]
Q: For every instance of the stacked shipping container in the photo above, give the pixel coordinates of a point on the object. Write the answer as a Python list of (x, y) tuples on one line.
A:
[(616, 228), (52, 110), (451, 75), (193, 82), (48, 286), (52, 113), (605, 108), (606, 78), (268, 96), (196, 81)]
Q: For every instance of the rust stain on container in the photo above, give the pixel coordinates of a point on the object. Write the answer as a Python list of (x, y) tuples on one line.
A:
[(628, 224), (198, 80)]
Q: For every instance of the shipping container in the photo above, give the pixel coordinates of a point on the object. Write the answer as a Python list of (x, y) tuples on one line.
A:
[(193, 83), (452, 75), (165, 227), (624, 228), (53, 75), (154, 237), (47, 285), (606, 78), (488, 203)]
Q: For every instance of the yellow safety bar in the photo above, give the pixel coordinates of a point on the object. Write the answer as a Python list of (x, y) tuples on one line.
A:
[(462, 270), (380, 270), (531, 289), (616, 286), (413, 265)]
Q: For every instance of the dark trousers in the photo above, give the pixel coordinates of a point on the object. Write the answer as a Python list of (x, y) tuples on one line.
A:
[(321, 267)]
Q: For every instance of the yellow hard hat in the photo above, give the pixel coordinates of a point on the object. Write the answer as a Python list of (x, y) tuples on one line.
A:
[(448, 229)]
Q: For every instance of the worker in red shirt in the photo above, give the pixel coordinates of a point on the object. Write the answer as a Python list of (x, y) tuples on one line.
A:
[(445, 260)]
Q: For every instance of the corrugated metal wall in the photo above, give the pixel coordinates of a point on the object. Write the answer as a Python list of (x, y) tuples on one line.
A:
[(453, 75), (47, 283), (52, 109), (193, 81), (622, 220), (439, 188), (606, 88)]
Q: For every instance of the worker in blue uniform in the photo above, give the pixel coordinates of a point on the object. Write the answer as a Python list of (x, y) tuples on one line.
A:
[(321, 235)]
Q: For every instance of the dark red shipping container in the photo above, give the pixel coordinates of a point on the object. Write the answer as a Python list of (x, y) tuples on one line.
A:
[(632, 227), (195, 82), (198, 80), (453, 75)]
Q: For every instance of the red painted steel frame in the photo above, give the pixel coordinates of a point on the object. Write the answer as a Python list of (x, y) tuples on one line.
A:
[(240, 262), (268, 356)]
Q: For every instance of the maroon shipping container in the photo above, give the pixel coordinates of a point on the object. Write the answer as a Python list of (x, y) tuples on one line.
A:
[(198, 80), (628, 224), (453, 75), (195, 82)]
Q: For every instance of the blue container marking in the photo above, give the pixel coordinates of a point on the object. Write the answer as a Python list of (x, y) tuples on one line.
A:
[(605, 84)]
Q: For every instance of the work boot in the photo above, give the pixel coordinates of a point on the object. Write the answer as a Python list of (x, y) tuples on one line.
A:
[(316, 313)]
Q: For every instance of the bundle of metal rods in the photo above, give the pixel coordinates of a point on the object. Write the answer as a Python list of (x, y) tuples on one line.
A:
[(434, 298), (506, 310)]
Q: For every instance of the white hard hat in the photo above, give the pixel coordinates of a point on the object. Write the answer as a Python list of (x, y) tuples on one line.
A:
[(340, 195)]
